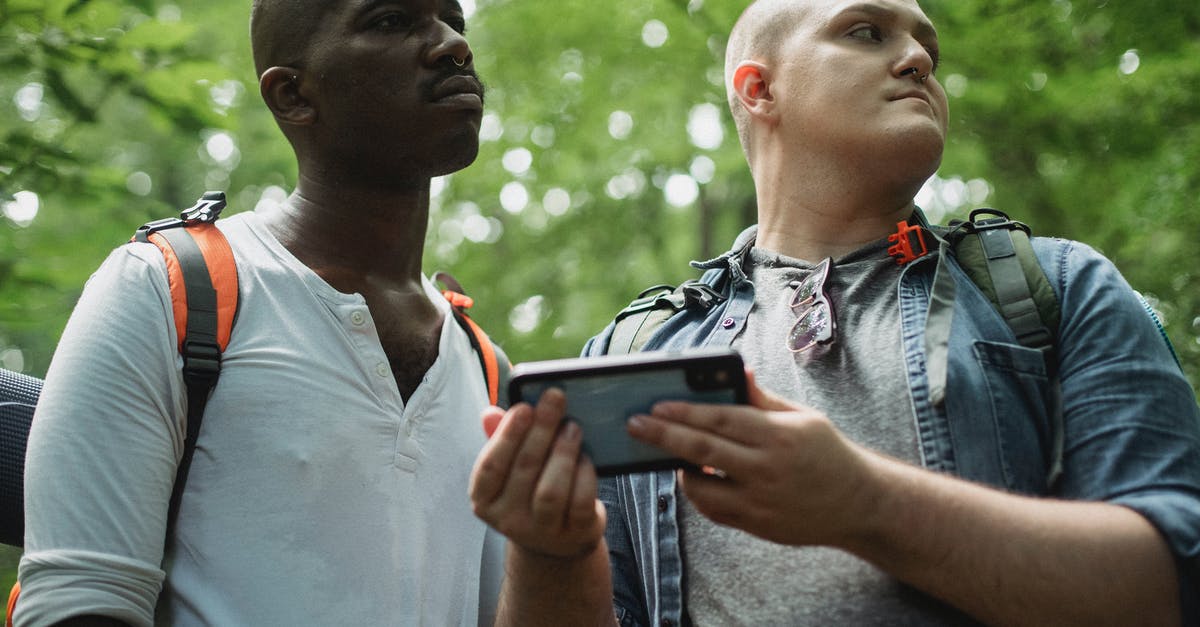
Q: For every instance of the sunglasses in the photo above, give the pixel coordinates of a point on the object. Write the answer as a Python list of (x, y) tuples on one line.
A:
[(816, 324)]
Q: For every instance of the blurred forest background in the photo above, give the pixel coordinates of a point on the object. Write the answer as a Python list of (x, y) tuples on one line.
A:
[(608, 157)]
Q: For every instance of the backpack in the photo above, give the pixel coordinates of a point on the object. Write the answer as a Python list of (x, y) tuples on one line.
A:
[(202, 277), (994, 251)]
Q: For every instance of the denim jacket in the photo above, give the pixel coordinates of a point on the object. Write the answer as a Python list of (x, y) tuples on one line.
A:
[(1132, 424)]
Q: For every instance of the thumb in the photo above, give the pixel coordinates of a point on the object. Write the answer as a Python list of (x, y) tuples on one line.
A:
[(763, 399), (491, 419)]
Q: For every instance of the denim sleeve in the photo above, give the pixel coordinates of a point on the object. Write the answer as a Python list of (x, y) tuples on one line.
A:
[(1131, 418), (628, 603)]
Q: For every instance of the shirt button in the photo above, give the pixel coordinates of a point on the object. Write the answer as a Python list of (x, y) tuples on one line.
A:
[(728, 323), (357, 318), (381, 369), (662, 504)]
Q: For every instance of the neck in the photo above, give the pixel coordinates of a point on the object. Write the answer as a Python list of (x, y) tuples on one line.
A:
[(351, 235), (816, 208)]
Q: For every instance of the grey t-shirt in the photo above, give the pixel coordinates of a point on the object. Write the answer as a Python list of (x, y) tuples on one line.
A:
[(859, 381)]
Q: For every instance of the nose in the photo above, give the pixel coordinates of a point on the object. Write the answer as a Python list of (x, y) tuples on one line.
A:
[(450, 47), (914, 60)]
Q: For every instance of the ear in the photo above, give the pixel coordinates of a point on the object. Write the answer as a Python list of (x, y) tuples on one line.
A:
[(281, 90), (752, 87)]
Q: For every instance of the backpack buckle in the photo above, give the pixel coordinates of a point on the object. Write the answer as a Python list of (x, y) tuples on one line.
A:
[(201, 361), (909, 243), (700, 293), (999, 220), (206, 209)]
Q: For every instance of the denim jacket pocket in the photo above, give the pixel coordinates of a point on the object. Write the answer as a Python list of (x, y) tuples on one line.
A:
[(1018, 394)]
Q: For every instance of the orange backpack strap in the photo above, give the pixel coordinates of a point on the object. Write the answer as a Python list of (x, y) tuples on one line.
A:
[(202, 276), (492, 359), (12, 604)]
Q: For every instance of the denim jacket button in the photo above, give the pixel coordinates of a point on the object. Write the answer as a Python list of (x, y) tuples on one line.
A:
[(728, 323), (666, 622), (662, 504)]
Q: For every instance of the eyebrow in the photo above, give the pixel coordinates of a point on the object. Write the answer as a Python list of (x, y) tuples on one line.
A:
[(924, 28), (367, 5)]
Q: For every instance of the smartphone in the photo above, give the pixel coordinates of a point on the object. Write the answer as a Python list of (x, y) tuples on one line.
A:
[(603, 392)]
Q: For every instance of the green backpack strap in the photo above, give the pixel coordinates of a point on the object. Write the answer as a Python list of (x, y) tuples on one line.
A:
[(637, 322), (996, 253)]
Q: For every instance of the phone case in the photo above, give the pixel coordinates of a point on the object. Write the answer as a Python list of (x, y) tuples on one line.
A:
[(603, 392)]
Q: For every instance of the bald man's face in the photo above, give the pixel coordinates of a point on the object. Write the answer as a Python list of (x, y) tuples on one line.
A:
[(858, 75)]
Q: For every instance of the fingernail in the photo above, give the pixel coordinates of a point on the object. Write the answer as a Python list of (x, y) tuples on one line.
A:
[(571, 432), (663, 410), (636, 422)]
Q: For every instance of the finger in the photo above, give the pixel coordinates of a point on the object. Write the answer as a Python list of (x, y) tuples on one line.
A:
[(495, 460), (551, 498), (739, 423), (719, 500), (700, 447), (583, 509), (531, 456)]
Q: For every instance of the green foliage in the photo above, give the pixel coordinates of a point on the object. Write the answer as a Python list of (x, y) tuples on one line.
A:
[(108, 105)]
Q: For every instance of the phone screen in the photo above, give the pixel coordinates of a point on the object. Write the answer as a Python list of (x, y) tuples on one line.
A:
[(602, 401)]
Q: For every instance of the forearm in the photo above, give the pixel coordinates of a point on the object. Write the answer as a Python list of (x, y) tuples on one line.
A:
[(1011, 560), (541, 590)]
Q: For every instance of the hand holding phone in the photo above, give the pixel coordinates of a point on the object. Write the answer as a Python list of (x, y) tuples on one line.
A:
[(603, 392)]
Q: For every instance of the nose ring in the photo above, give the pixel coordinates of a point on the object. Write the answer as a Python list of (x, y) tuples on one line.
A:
[(459, 62), (912, 70)]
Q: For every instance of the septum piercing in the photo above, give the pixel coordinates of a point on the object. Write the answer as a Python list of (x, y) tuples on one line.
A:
[(459, 62)]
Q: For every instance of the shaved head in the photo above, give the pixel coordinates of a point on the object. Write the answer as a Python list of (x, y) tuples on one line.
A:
[(281, 31), (758, 35)]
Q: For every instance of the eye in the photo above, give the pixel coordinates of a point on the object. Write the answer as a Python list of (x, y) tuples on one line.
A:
[(393, 20), (868, 32), (457, 22)]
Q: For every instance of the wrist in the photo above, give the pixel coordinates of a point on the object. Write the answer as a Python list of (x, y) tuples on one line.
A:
[(877, 505), (554, 559)]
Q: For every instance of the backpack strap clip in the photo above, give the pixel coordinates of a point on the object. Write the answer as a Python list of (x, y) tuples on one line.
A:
[(688, 294), (492, 359), (206, 209), (201, 362), (909, 243), (999, 220)]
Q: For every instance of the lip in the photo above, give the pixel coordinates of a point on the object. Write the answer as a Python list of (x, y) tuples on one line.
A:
[(459, 91), (911, 93)]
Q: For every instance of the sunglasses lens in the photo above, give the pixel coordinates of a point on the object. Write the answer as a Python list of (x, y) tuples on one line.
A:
[(804, 293), (807, 290), (814, 327)]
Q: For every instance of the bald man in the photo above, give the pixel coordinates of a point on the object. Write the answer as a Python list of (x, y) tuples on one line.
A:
[(854, 495), (329, 478)]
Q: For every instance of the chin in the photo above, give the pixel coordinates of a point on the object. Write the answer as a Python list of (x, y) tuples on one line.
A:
[(457, 162)]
